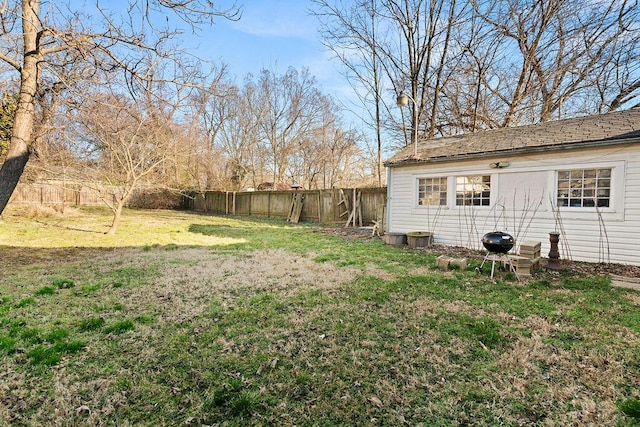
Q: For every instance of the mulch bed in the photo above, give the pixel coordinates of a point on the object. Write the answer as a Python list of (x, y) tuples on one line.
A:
[(582, 268)]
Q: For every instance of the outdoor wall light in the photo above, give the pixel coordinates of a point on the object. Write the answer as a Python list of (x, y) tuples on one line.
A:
[(499, 165), (402, 100)]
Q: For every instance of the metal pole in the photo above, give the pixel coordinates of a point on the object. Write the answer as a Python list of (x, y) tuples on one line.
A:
[(415, 129), (402, 101)]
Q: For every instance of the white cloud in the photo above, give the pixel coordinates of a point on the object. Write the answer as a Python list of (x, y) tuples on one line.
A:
[(277, 18)]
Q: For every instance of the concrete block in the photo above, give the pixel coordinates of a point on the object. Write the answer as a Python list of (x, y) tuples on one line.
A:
[(530, 249), (443, 262), (523, 265), (460, 263), (532, 245)]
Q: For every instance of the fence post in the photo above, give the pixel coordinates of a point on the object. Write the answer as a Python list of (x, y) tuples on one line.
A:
[(269, 204)]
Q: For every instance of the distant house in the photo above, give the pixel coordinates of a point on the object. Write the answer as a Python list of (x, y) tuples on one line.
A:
[(280, 186), (579, 177)]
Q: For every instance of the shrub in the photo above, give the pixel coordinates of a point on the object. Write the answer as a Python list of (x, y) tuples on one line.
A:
[(155, 198)]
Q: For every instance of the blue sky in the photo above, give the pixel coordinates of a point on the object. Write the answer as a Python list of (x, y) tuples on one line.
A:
[(272, 34)]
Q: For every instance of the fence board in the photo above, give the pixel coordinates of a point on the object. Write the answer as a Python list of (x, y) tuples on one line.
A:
[(319, 205), (45, 194)]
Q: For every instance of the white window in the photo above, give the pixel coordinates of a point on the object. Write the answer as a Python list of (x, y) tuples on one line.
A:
[(432, 191), (583, 188), (474, 190)]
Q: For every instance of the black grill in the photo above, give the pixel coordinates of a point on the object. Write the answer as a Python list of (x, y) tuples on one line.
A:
[(498, 242)]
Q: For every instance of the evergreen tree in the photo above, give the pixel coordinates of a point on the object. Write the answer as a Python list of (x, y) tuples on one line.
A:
[(7, 114)]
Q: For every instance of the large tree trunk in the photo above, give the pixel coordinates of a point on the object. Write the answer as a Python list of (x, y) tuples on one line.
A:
[(11, 171), (22, 133)]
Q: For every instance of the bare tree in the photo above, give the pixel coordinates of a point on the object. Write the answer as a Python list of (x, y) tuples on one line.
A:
[(477, 64), (232, 121), (41, 45), (402, 43), (319, 160), (350, 30), (124, 142), (568, 55), (343, 159), (291, 110), (468, 105), (274, 128)]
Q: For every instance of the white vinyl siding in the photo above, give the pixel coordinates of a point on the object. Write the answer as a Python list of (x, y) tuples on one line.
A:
[(524, 203)]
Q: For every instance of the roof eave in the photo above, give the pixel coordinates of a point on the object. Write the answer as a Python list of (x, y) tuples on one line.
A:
[(410, 161)]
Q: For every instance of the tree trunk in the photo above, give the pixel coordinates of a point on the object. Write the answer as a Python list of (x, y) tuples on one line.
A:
[(22, 132), (11, 171), (117, 213)]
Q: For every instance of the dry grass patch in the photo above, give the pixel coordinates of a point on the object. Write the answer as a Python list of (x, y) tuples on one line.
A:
[(187, 280)]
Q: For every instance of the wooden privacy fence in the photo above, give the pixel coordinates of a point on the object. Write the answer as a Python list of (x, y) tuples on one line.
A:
[(325, 206), (46, 194), (78, 194)]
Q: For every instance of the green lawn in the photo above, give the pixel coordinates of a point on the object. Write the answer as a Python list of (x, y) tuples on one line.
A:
[(184, 319)]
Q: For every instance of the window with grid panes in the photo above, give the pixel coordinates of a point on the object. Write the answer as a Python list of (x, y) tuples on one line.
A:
[(474, 190), (583, 188), (432, 191)]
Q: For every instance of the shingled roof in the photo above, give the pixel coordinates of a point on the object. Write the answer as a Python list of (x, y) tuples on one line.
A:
[(592, 131)]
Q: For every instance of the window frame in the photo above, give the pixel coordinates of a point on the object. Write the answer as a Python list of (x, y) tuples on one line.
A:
[(443, 179), (489, 198), (615, 211), (579, 191)]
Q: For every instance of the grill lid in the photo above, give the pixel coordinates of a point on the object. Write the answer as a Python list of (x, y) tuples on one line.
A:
[(498, 241)]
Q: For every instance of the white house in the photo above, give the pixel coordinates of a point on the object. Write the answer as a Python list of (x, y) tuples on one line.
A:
[(579, 177)]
